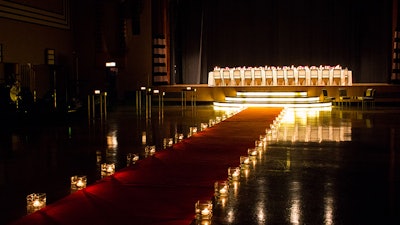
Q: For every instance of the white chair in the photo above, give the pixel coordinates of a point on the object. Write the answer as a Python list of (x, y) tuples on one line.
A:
[(248, 77), (302, 76), (216, 79), (226, 75), (345, 77), (269, 77), (337, 76), (349, 78), (314, 78), (258, 77), (326, 78), (290, 76), (280, 77), (237, 77)]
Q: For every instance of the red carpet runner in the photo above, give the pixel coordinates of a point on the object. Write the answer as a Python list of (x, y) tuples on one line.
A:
[(162, 189)]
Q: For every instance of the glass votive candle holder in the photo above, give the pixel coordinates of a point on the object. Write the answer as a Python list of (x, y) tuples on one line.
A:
[(259, 143), (252, 152), (211, 122), (35, 202), (131, 158), (78, 183), (221, 189), (223, 117), (107, 169), (192, 131), (203, 210), (244, 162), (234, 173), (168, 142), (203, 126), (179, 137), (150, 149), (218, 119), (263, 137)]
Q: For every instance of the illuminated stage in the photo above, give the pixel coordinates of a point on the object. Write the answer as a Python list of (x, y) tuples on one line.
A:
[(386, 94)]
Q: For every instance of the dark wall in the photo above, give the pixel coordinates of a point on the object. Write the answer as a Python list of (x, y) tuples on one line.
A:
[(355, 34)]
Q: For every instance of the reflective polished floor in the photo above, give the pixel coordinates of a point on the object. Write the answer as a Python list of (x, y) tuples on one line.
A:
[(338, 166)]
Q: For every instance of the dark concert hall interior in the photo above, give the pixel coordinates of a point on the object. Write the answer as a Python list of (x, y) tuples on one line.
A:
[(199, 112)]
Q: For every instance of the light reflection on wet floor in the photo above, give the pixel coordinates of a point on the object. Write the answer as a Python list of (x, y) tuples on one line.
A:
[(323, 167), (326, 167)]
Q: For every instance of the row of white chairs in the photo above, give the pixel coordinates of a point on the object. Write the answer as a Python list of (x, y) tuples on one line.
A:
[(306, 76)]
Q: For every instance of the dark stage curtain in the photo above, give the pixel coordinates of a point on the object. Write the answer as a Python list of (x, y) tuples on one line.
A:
[(355, 34)]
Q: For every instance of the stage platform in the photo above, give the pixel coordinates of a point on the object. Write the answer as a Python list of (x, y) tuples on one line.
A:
[(386, 94)]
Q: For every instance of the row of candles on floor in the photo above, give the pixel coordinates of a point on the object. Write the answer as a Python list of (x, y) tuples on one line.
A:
[(37, 201), (204, 208)]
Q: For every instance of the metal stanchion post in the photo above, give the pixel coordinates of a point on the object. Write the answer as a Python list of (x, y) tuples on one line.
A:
[(93, 107), (101, 106), (105, 105), (88, 103), (148, 102)]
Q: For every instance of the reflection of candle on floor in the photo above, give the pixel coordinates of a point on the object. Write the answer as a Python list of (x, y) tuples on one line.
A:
[(144, 137)]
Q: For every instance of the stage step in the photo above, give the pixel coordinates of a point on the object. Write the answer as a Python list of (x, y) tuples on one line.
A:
[(290, 99)]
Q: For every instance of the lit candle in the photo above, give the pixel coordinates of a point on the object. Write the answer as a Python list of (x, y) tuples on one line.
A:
[(36, 203), (234, 173), (223, 190), (79, 184), (109, 169), (252, 151), (205, 212)]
